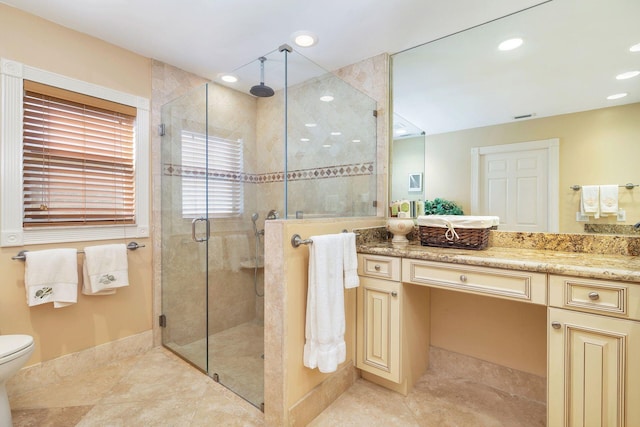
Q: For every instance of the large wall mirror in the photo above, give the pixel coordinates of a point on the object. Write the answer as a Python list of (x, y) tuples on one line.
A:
[(557, 97)]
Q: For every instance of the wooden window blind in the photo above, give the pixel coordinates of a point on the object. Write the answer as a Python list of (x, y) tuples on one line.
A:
[(78, 159), (222, 161)]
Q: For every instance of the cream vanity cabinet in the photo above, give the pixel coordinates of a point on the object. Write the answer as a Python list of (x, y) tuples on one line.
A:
[(392, 325), (594, 352)]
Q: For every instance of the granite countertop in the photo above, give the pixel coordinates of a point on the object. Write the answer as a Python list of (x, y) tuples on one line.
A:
[(581, 264)]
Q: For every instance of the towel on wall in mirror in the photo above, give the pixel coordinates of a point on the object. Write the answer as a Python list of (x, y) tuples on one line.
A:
[(608, 200), (329, 271), (51, 275), (105, 269), (237, 250), (590, 201)]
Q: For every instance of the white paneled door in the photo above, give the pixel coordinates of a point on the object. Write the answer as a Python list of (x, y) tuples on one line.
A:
[(519, 183)]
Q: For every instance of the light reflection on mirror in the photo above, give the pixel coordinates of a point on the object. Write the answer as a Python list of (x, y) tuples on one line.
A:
[(465, 93)]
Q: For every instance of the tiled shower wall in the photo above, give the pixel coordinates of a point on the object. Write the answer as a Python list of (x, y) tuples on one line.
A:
[(312, 179)]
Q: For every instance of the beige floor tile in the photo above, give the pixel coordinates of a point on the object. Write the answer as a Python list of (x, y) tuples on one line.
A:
[(49, 417), (78, 390), (169, 411), (367, 404), (441, 402)]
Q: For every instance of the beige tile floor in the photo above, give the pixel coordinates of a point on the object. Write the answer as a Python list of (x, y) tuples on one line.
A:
[(160, 389), (236, 355)]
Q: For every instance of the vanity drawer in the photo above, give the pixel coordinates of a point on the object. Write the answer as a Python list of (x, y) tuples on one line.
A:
[(510, 284), (381, 267), (620, 299)]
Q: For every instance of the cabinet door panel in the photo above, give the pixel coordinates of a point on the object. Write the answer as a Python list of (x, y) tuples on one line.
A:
[(379, 329), (594, 378)]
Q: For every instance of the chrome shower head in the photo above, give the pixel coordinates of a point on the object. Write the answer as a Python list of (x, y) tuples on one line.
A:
[(261, 90), (254, 217)]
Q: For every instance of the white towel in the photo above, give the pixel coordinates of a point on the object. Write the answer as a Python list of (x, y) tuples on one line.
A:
[(106, 269), (608, 200), (325, 347), (51, 276), (351, 279), (590, 201), (237, 250)]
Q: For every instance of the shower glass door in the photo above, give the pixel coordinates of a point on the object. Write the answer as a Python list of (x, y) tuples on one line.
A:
[(212, 280), (184, 245)]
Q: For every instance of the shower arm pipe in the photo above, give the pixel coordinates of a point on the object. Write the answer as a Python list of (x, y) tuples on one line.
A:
[(132, 246)]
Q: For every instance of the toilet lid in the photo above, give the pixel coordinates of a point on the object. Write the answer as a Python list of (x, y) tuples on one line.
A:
[(10, 344)]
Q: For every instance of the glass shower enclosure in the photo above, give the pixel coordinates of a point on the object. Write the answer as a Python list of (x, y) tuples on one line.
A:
[(230, 161)]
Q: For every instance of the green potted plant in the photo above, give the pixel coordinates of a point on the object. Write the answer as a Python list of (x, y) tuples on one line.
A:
[(440, 206)]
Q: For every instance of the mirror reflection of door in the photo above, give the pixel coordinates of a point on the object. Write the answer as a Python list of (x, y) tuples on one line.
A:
[(518, 183)]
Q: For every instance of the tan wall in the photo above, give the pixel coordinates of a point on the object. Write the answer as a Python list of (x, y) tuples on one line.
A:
[(93, 320), (404, 162), (596, 147), (508, 333)]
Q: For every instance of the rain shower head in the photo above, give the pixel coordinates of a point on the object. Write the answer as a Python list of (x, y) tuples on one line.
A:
[(261, 90)]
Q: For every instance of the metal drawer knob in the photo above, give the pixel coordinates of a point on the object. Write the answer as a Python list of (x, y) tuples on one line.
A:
[(463, 278), (394, 294), (377, 267), (555, 325), (593, 296)]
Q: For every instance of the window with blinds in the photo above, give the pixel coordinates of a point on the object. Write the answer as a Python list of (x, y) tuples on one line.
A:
[(78, 159), (219, 159)]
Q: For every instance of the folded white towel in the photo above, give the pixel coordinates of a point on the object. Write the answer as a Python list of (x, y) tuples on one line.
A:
[(351, 279), (608, 200), (325, 347), (590, 200), (106, 269), (237, 250), (51, 276)]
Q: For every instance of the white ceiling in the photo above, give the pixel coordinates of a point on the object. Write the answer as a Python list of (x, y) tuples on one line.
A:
[(208, 37)]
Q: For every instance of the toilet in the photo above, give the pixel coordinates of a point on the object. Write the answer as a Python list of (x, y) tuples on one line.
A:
[(14, 353)]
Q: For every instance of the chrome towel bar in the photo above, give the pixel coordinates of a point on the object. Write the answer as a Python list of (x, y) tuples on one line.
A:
[(628, 186), (296, 240), (132, 246)]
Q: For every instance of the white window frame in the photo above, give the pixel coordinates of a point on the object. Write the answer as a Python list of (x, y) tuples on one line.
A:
[(12, 232)]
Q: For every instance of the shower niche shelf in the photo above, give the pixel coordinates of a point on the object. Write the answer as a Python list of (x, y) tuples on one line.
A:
[(253, 263)]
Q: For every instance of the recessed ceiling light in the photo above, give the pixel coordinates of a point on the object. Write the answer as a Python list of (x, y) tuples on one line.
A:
[(304, 38), (310, 125), (326, 98), (304, 139), (336, 133), (401, 131), (510, 44), (229, 78), (627, 75), (635, 48), (617, 96), (326, 145), (355, 140)]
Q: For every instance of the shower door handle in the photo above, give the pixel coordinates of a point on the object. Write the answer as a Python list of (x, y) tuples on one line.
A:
[(193, 230)]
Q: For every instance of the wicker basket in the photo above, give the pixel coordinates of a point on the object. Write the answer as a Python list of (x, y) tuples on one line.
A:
[(468, 238)]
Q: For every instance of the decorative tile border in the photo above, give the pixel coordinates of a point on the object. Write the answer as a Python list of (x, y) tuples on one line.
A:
[(338, 171)]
